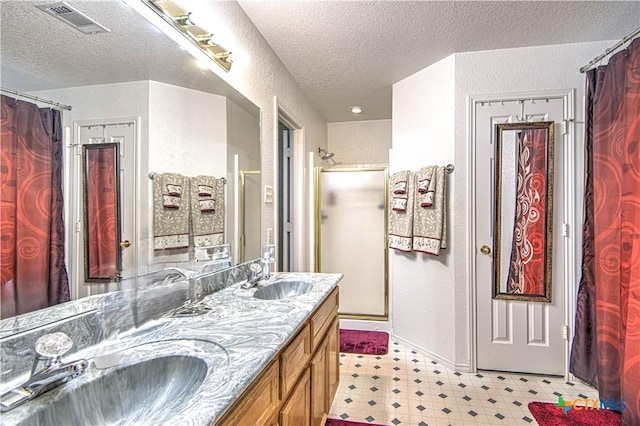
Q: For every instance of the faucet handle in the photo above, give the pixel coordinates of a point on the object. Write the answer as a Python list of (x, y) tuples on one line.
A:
[(255, 268), (53, 345)]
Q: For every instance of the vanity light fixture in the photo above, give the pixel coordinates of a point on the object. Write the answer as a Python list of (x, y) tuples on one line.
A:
[(181, 20), (357, 109), (184, 20)]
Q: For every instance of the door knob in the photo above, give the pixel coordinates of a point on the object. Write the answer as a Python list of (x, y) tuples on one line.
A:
[(485, 249), (125, 243)]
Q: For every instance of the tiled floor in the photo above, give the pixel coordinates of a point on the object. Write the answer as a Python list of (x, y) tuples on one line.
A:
[(406, 388)]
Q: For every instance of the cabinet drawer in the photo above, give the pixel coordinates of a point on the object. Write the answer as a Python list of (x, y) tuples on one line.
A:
[(260, 403), (323, 317), (294, 360)]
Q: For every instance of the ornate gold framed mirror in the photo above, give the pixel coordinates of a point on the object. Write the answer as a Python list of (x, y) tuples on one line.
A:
[(523, 211)]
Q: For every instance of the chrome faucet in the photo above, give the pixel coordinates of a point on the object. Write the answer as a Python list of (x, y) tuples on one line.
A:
[(48, 371), (255, 277)]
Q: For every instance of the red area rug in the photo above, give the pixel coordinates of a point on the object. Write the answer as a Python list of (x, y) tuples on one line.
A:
[(547, 414), (364, 342), (340, 422)]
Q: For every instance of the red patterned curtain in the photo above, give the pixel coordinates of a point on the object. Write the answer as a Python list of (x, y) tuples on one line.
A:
[(608, 313), (526, 267), (31, 209)]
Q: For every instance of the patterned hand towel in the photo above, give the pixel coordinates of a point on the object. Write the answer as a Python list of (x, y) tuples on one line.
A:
[(429, 215), (170, 211), (207, 211), (401, 211)]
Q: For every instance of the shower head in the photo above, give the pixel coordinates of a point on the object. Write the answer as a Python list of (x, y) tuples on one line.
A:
[(324, 154)]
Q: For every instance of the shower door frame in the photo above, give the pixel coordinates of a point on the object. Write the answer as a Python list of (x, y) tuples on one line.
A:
[(318, 239)]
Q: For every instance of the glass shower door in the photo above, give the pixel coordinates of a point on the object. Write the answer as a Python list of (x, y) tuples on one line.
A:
[(351, 235)]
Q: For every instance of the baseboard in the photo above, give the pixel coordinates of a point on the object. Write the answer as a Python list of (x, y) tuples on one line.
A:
[(462, 368), (349, 324)]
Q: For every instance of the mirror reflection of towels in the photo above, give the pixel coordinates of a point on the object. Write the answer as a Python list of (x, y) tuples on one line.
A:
[(170, 213), (170, 202), (174, 190), (207, 210)]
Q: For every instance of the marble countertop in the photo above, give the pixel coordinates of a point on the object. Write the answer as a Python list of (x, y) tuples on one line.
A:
[(237, 339)]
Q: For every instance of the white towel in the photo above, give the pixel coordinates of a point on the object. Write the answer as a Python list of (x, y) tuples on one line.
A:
[(429, 215), (207, 211), (401, 212), (170, 211)]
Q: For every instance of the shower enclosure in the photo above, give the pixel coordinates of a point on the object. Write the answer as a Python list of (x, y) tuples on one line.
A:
[(351, 237)]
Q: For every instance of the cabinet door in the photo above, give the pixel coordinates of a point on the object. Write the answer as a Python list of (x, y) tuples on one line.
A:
[(334, 359), (296, 411), (319, 384), (259, 403)]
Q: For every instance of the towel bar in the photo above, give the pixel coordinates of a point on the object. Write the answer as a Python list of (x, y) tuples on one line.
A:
[(152, 176)]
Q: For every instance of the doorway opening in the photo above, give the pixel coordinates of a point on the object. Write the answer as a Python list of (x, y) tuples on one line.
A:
[(291, 193), (285, 201)]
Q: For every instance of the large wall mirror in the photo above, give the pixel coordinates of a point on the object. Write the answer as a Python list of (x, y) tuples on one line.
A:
[(182, 119), (523, 211)]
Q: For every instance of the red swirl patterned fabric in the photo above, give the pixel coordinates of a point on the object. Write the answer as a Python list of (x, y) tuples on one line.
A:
[(526, 267), (32, 245), (610, 330), (102, 213)]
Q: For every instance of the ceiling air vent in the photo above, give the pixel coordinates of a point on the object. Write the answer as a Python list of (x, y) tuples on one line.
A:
[(73, 17)]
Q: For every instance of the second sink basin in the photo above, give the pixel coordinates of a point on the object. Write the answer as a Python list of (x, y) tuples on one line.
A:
[(283, 290), (135, 393)]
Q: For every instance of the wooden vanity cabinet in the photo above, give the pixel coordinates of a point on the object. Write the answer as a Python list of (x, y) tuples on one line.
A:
[(300, 383), (296, 411), (294, 360), (333, 358), (319, 369), (260, 403)]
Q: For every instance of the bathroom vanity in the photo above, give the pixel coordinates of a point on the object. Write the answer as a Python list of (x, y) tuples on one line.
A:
[(245, 360)]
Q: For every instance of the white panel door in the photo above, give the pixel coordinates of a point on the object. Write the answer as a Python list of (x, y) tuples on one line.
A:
[(516, 335), (124, 134)]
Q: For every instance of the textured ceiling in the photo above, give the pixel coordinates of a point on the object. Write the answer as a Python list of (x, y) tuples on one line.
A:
[(40, 52), (341, 53), (351, 52)]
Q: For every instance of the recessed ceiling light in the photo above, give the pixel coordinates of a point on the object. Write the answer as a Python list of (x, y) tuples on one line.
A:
[(356, 109)]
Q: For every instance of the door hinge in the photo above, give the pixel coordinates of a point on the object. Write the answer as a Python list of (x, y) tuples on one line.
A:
[(565, 230), (288, 152), (77, 227), (565, 125), (565, 332), (288, 227)]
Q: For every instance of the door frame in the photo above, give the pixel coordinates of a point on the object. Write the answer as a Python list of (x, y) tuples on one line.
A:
[(74, 205), (571, 223), (284, 115)]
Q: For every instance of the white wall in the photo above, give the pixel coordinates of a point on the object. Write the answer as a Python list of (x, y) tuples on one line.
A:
[(187, 135), (443, 303), (99, 102), (258, 74), (359, 142), (423, 311), (182, 131)]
